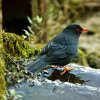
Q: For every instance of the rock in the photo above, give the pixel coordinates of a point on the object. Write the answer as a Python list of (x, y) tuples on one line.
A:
[(57, 90)]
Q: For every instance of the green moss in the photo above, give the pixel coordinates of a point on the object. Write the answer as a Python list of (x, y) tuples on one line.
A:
[(82, 58), (16, 46), (93, 60), (2, 69), (2, 80)]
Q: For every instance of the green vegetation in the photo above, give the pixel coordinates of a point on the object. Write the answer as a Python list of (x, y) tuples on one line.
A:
[(2, 69), (82, 58), (93, 60), (2, 80), (12, 49), (16, 46)]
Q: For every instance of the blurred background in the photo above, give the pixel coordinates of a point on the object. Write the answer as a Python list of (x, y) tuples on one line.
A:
[(40, 20)]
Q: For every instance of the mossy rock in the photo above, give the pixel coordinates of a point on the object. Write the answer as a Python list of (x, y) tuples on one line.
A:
[(93, 60), (2, 80), (16, 46), (2, 69)]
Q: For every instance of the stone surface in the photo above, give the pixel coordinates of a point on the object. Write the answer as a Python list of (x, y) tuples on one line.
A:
[(44, 89)]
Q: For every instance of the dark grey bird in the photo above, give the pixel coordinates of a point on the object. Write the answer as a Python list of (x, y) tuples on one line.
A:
[(60, 51)]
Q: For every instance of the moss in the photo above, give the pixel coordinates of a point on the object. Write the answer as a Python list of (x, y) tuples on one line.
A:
[(2, 69), (93, 60), (2, 80), (82, 58), (16, 46)]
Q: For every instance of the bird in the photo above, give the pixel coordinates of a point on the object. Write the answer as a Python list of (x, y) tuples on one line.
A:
[(60, 51)]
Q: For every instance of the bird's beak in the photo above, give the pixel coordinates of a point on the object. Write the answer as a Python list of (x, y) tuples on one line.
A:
[(85, 29)]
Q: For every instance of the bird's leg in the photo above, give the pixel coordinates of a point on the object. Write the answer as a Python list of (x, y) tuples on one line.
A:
[(55, 67), (66, 69)]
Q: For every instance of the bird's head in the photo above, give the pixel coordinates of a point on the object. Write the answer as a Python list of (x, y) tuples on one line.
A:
[(77, 28)]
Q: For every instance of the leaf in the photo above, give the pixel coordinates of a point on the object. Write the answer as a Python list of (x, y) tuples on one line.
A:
[(30, 20), (12, 92), (18, 96), (26, 32), (30, 29), (39, 19), (36, 26), (24, 36)]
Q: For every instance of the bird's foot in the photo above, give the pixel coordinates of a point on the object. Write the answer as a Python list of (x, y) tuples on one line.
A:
[(66, 69), (55, 67)]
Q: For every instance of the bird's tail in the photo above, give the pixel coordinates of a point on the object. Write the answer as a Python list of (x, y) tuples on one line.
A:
[(37, 65)]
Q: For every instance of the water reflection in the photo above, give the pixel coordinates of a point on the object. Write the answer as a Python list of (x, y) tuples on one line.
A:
[(67, 77)]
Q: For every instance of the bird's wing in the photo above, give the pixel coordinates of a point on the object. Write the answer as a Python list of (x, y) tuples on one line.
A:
[(55, 50)]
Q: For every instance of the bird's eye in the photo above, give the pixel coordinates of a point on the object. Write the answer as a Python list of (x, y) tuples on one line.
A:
[(78, 30)]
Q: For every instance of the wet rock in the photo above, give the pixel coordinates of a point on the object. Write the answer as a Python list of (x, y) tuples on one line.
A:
[(85, 86)]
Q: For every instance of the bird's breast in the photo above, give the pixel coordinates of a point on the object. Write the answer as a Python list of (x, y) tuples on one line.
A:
[(73, 49)]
